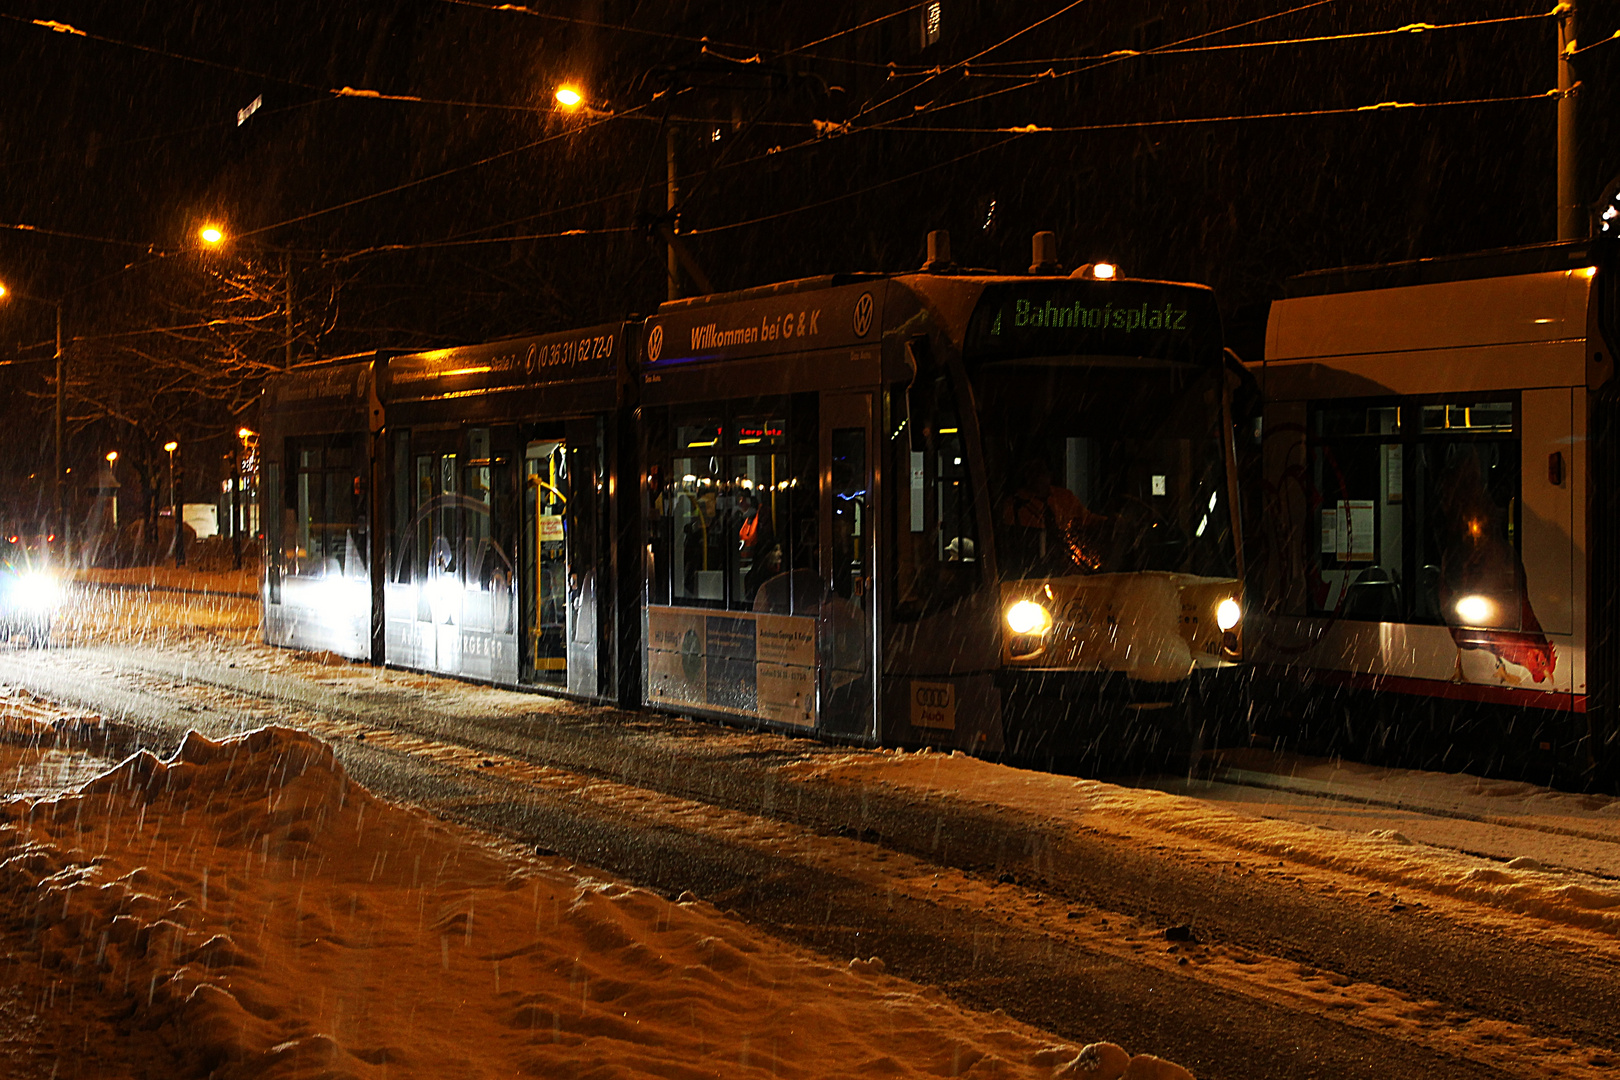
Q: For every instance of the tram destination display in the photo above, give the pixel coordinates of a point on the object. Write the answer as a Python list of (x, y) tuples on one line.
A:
[(1178, 323)]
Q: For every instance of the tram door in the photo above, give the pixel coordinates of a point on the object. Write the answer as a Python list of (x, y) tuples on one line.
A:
[(561, 504), (847, 545), (436, 475)]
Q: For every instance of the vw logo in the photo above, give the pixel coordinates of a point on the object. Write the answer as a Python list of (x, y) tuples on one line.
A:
[(655, 344), (933, 697), (863, 314)]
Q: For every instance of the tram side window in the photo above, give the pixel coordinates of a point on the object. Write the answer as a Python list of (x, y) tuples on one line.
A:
[(1416, 512), (453, 512), (938, 554), (735, 509), (328, 508)]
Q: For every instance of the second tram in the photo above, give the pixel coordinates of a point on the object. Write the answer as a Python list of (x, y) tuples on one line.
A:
[(1439, 450)]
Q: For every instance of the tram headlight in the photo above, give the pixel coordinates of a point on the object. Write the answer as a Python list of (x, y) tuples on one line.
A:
[(1475, 610), (1028, 617), (1228, 613)]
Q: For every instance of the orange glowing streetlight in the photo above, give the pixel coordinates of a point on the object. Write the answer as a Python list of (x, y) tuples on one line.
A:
[(569, 97), (211, 234)]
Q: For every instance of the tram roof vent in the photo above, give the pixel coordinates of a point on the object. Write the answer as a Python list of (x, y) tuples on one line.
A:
[(1044, 257), (939, 252)]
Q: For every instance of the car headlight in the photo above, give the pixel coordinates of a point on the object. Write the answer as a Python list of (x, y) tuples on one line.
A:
[(1228, 614), (1028, 617), (37, 592)]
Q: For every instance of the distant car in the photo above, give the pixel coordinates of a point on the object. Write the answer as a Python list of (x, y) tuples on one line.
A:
[(29, 591)]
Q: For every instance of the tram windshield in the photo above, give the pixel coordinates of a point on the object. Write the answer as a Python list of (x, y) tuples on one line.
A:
[(1105, 464)]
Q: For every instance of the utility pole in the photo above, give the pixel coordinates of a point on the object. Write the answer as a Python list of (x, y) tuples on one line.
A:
[(671, 200), (60, 514), (287, 280), (1572, 216)]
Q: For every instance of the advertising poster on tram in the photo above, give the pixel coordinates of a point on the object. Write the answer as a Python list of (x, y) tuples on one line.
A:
[(735, 662)]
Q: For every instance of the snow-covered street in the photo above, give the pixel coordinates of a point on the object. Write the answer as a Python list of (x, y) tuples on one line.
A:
[(648, 896)]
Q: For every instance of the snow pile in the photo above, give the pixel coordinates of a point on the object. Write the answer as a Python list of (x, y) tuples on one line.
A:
[(1524, 887), (245, 910)]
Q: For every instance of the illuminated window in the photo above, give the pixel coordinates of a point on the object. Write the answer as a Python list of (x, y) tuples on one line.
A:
[(930, 25), (1418, 507)]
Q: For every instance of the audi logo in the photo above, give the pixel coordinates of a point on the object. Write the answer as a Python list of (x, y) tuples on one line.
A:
[(936, 697)]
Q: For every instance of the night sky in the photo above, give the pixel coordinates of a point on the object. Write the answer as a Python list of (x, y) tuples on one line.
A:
[(409, 223)]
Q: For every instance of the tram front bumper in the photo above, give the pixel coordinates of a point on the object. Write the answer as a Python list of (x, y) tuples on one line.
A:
[(1101, 719)]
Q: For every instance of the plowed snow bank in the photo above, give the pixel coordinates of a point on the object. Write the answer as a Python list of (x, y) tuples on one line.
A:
[(245, 910)]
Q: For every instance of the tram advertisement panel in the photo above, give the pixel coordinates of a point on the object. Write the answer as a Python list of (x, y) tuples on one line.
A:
[(788, 322), (737, 662), (579, 354)]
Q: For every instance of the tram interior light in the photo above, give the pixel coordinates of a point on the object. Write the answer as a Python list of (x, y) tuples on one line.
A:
[(1028, 617), (1227, 614)]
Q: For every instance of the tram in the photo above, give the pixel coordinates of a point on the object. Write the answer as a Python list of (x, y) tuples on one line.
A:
[(1436, 565), (949, 508), (319, 426)]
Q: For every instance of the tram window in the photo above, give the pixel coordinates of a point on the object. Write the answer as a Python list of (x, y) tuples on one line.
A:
[(1466, 534), (1105, 465), (1416, 504), (737, 506), (696, 509), (937, 558), (849, 513), (329, 517)]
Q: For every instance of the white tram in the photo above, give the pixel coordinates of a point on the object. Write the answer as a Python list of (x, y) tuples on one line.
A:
[(1435, 557)]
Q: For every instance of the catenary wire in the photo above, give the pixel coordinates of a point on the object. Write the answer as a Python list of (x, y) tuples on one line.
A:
[(1033, 129), (595, 122), (1111, 59), (1148, 52), (341, 91), (1409, 28), (960, 63)]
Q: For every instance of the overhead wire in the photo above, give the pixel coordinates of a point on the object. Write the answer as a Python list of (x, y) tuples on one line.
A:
[(595, 24), (852, 29), (336, 92), (160, 135), (595, 122), (1116, 58), (1058, 129), (62, 233), (1409, 28), (689, 39), (849, 194), (960, 63)]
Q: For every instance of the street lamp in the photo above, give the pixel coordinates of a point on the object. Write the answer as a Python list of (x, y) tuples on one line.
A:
[(243, 435), (569, 97), (174, 508), (59, 514), (213, 236)]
